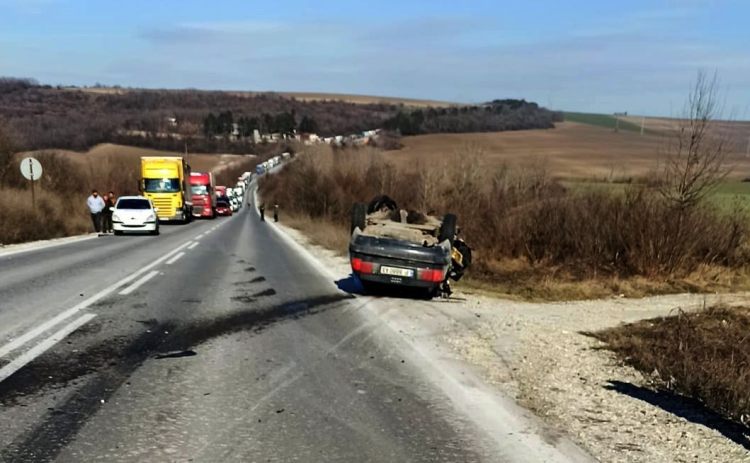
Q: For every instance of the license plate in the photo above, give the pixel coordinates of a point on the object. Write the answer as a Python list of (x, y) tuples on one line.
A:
[(395, 271)]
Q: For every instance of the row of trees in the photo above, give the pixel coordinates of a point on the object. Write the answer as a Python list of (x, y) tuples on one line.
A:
[(497, 115)]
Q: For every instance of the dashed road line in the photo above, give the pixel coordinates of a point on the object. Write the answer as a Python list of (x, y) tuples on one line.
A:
[(139, 282), (21, 361), (175, 258), (193, 245), (59, 318)]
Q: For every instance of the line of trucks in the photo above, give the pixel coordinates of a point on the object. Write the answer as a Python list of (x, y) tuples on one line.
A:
[(266, 166), (179, 195)]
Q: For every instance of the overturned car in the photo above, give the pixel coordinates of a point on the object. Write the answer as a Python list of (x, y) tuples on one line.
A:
[(392, 246)]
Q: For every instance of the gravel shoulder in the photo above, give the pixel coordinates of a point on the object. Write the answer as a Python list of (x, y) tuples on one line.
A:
[(536, 355)]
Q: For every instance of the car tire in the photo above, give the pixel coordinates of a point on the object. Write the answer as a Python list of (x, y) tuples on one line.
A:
[(359, 216), (118, 232), (448, 228), (155, 232)]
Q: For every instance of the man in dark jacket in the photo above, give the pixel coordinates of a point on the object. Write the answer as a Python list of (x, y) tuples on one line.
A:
[(109, 202)]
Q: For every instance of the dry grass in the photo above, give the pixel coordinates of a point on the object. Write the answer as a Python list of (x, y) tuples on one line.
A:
[(703, 355), (517, 279), (52, 218), (571, 151), (322, 233)]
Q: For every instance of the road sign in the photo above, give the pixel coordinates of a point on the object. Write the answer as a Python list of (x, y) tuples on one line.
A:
[(31, 169)]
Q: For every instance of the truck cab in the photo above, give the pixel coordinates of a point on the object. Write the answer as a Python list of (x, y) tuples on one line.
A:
[(204, 199), (165, 181)]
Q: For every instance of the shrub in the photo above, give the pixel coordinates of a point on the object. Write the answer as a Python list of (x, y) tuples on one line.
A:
[(703, 355)]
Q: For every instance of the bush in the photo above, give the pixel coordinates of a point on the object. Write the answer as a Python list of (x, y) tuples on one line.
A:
[(703, 355)]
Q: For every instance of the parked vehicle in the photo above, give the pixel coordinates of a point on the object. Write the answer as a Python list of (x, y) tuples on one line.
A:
[(245, 178), (134, 214), (202, 189), (223, 207), (391, 246), (165, 181)]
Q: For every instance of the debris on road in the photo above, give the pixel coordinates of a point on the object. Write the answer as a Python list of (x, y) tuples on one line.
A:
[(176, 354)]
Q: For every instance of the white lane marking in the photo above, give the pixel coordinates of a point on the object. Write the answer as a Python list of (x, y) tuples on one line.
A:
[(199, 236), (175, 258), (43, 346), (31, 334), (139, 282), (193, 245)]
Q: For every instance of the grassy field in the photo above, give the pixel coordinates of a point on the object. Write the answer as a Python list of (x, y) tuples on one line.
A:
[(570, 151)]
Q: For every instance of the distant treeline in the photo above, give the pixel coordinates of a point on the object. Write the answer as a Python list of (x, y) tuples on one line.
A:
[(43, 116), (495, 116)]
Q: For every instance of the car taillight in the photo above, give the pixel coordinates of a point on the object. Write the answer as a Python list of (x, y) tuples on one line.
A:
[(430, 274), (361, 266)]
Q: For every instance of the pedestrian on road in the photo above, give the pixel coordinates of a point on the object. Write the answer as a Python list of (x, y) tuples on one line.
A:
[(262, 210), (275, 212), (95, 204), (109, 202)]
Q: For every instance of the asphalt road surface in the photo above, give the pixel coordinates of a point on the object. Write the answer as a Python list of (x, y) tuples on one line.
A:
[(221, 344), (212, 342)]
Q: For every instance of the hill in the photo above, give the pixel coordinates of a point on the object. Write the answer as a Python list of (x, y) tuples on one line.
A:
[(215, 121)]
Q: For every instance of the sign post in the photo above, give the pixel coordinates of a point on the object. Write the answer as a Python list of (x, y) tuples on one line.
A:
[(31, 169)]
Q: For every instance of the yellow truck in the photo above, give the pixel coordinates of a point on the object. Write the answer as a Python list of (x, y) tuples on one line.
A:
[(166, 182)]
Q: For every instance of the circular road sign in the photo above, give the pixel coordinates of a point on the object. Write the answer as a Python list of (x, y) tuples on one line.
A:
[(31, 169)]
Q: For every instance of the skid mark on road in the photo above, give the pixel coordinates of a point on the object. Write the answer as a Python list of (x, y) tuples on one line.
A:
[(101, 378), (265, 292)]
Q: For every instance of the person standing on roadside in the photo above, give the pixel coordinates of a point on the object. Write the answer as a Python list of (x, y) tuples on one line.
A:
[(262, 210), (275, 212), (109, 203), (95, 204)]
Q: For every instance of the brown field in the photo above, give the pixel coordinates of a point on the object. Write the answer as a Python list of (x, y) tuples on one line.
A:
[(570, 151), (302, 96)]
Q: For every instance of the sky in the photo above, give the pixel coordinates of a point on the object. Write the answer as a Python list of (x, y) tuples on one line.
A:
[(593, 56)]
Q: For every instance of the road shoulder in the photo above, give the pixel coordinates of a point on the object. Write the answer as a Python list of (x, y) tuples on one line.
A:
[(536, 355)]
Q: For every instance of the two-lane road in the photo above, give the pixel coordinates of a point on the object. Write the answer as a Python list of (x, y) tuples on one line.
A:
[(269, 361)]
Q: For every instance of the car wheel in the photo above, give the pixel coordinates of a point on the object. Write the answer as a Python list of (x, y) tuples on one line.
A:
[(359, 216), (448, 228), (118, 232)]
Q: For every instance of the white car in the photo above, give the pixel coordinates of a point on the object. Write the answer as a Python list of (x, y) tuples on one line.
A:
[(134, 214)]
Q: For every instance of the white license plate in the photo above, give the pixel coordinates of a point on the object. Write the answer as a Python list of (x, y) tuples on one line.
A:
[(395, 271)]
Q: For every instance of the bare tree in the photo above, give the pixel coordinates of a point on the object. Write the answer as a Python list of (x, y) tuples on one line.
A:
[(696, 154)]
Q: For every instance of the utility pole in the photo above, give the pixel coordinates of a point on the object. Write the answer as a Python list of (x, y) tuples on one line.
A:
[(643, 123)]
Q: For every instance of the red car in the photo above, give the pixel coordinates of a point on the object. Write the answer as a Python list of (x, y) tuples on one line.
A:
[(223, 207)]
